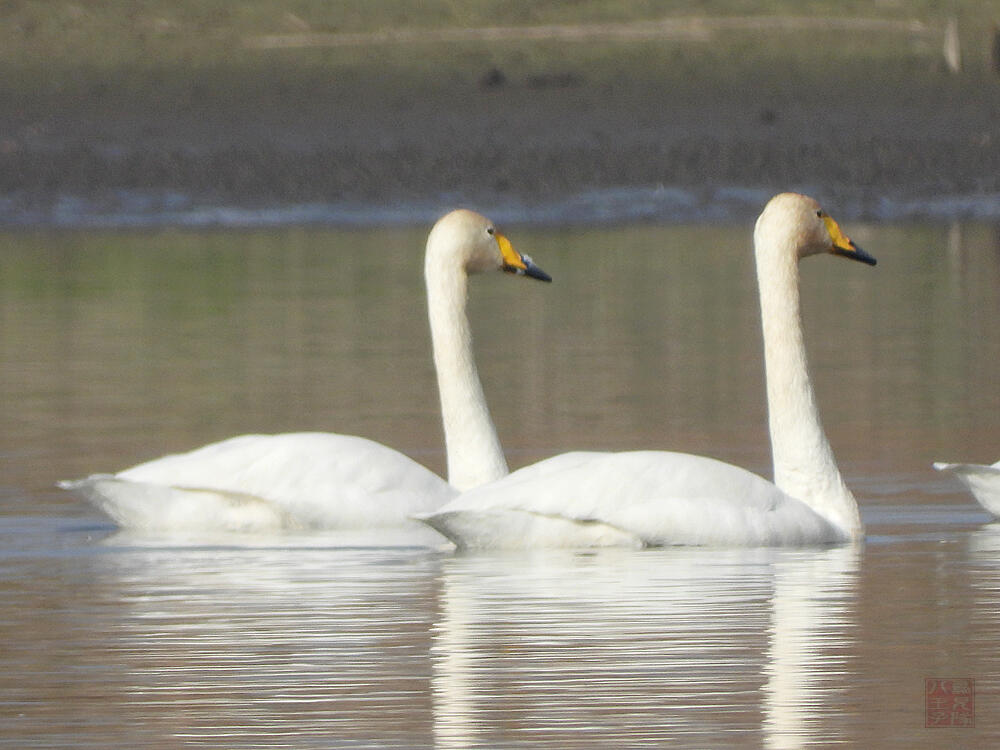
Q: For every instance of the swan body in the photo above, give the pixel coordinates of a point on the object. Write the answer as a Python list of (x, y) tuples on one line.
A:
[(655, 498), (258, 483), (982, 480), (636, 498), (255, 483)]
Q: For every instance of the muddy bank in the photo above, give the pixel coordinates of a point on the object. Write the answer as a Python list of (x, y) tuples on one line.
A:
[(486, 136)]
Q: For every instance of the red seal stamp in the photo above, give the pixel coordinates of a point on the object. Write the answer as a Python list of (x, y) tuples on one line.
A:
[(949, 702)]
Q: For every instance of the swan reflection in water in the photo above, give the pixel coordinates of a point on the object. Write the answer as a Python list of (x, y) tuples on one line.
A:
[(658, 645), (236, 639)]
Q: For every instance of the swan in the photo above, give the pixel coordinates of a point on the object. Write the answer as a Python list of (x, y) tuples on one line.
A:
[(319, 480), (982, 480), (655, 498)]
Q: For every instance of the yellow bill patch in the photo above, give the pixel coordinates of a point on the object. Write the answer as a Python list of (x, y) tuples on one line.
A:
[(840, 240), (511, 258), (843, 245)]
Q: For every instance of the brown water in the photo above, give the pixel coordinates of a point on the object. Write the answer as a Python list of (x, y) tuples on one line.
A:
[(121, 346)]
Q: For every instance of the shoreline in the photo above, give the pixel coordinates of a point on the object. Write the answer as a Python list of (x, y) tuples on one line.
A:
[(598, 207), (538, 132)]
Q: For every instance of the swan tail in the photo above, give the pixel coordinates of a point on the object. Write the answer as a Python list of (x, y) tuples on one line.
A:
[(961, 469), (982, 480), (141, 506)]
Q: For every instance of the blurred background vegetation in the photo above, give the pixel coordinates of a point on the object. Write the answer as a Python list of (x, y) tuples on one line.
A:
[(177, 49)]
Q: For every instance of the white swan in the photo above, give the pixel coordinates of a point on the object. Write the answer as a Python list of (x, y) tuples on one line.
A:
[(319, 480), (982, 480), (658, 498)]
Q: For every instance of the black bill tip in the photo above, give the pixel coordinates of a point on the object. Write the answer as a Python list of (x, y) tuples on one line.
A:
[(856, 253)]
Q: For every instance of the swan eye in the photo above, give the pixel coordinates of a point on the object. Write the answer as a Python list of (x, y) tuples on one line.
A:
[(490, 230), (820, 213)]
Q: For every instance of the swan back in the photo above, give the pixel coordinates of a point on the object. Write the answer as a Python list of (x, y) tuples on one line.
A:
[(639, 498), (269, 482)]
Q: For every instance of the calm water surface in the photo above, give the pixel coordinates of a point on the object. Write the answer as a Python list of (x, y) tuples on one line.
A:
[(121, 346)]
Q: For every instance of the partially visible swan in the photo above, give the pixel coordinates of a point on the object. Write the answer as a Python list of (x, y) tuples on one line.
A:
[(983, 482), (658, 498), (319, 480)]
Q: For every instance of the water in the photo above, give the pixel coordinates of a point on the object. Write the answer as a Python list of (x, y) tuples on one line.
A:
[(118, 346), (166, 208)]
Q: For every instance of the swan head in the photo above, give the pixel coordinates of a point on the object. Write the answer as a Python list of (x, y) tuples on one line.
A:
[(797, 223), (473, 242)]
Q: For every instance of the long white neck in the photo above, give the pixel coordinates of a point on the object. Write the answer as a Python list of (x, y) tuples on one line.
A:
[(474, 452), (804, 466)]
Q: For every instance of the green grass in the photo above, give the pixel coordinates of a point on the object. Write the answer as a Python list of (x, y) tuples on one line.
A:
[(103, 35)]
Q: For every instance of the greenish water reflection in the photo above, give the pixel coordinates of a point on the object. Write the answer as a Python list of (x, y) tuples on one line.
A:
[(121, 346)]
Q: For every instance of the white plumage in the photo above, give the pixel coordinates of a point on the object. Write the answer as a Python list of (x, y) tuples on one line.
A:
[(260, 483), (662, 498), (982, 480)]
